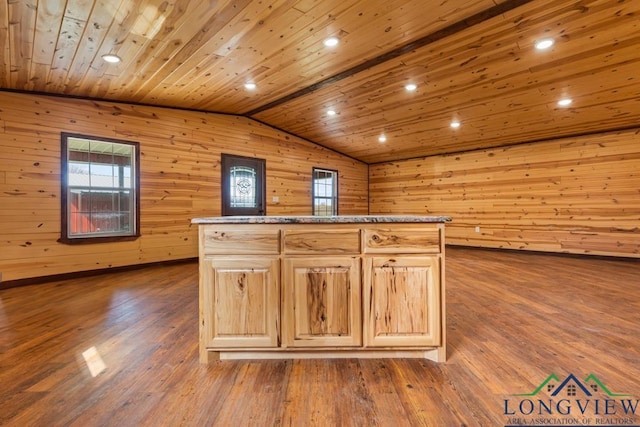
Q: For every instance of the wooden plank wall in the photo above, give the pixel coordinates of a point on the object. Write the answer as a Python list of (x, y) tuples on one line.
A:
[(574, 195), (180, 178)]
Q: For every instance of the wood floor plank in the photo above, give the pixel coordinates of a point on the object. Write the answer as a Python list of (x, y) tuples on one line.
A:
[(387, 404), (513, 319)]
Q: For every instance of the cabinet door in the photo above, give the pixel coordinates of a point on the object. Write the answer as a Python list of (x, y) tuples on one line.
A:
[(240, 302), (402, 301), (322, 302)]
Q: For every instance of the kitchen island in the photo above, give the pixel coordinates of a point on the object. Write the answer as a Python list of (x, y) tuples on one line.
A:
[(322, 287)]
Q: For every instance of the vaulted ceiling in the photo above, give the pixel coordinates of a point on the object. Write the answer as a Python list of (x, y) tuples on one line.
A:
[(473, 61)]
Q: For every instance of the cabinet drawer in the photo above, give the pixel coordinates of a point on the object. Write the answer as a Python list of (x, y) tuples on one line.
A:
[(384, 240), (325, 241), (245, 241)]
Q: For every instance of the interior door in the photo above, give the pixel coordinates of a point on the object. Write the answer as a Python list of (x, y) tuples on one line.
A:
[(243, 185)]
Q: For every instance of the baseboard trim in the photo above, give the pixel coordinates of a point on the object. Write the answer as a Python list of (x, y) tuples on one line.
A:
[(79, 274), (536, 252)]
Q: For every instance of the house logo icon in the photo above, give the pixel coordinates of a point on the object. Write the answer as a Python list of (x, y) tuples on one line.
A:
[(571, 385), (572, 401)]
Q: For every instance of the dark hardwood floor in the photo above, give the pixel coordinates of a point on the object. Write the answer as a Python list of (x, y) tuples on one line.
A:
[(513, 320)]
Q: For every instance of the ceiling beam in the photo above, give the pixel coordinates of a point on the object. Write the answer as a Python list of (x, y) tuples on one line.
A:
[(409, 47)]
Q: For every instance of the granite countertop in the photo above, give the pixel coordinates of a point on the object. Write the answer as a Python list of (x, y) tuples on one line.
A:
[(308, 219)]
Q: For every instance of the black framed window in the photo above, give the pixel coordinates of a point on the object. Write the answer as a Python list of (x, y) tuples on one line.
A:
[(325, 192), (100, 189)]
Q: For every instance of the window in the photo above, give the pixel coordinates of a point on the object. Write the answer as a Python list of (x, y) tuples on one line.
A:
[(243, 185), (325, 192), (100, 189)]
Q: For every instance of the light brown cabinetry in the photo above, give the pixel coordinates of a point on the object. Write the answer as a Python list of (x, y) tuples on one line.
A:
[(281, 290), (403, 286), (242, 295), (402, 301), (322, 305)]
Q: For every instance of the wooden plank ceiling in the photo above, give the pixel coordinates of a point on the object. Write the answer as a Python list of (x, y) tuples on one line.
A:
[(472, 60)]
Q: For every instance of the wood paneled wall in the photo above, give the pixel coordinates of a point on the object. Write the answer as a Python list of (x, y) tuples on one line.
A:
[(180, 178), (574, 195)]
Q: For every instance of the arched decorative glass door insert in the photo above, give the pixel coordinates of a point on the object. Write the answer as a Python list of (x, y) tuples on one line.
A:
[(243, 185)]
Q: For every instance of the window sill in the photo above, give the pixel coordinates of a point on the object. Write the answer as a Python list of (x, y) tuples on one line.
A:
[(93, 239)]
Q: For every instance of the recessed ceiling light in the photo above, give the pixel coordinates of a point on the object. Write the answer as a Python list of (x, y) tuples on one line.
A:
[(544, 44), (565, 102), (331, 41), (382, 138), (411, 87), (331, 112), (455, 124), (250, 86), (111, 58)]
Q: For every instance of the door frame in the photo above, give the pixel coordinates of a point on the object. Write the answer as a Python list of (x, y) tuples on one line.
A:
[(260, 165)]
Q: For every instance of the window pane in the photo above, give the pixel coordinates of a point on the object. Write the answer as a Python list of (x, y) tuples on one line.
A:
[(100, 188), (242, 187), (323, 207)]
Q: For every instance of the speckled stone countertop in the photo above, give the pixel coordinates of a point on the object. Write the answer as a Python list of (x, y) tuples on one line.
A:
[(308, 219)]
